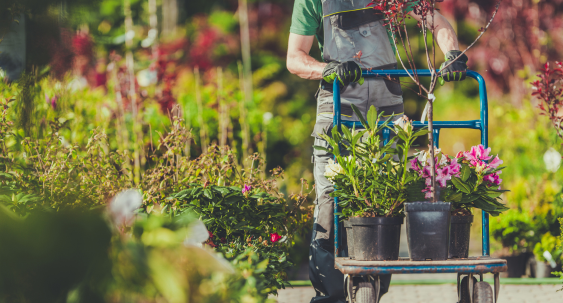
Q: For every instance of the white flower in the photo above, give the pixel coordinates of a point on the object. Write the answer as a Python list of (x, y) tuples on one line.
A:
[(332, 169), (197, 234), (443, 160), (122, 207), (552, 160), (480, 167), (421, 157), (403, 122)]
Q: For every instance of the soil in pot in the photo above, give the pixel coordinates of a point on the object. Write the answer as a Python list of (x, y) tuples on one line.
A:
[(349, 238), (376, 238), (459, 236), (428, 230)]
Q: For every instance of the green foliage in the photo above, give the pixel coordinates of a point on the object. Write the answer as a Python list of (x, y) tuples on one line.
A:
[(469, 191), (240, 222), (374, 179), (514, 230), (550, 244)]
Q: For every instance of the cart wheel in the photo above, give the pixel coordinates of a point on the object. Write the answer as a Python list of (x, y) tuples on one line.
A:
[(464, 294), (483, 293), (365, 293)]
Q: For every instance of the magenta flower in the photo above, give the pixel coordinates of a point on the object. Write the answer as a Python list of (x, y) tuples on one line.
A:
[(246, 188), (443, 175), (414, 165), (52, 101), (275, 237), (477, 153), (496, 162), (455, 168)]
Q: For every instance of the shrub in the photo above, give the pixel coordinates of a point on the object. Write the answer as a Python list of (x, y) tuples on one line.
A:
[(247, 219)]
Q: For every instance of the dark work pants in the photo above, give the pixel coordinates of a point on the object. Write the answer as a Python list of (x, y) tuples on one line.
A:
[(327, 281)]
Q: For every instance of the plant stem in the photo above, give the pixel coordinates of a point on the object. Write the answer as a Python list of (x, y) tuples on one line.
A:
[(246, 71), (202, 126), (431, 149)]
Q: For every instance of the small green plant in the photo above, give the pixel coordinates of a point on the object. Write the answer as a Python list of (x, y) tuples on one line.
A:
[(372, 178), (514, 230)]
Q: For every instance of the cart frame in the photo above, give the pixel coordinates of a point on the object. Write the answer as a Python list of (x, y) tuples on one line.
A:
[(471, 266)]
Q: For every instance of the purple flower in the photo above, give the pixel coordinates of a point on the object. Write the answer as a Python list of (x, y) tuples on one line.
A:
[(246, 188), (51, 101)]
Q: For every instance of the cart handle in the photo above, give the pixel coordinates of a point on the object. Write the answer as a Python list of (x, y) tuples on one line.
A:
[(481, 124)]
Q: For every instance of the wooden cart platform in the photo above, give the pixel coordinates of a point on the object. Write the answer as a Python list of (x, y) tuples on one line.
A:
[(475, 265)]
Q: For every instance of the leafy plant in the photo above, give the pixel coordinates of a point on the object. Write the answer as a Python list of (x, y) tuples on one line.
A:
[(369, 181), (241, 219), (514, 230)]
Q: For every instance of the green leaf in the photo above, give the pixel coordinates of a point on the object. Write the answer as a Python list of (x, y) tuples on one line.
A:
[(465, 172), (484, 205), (455, 197), (460, 185), (494, 193), (346, 132), (318, 147), (421, 132), (207, 193), (360, 116), (372, 117)]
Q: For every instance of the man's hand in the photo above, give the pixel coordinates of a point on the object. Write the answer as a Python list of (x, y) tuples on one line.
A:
[(345, 72), (457, 70)]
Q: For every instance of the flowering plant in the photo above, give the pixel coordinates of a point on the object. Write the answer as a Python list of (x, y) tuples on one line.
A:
[(372, 178), (446, 168), (471, 179)]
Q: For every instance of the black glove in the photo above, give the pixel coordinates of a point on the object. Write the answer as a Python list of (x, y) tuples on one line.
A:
[(346, 73), (457, 70)]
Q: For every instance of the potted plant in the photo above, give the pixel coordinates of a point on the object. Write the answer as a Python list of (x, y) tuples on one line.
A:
[(428, 224), (470, 180), (372, 181)]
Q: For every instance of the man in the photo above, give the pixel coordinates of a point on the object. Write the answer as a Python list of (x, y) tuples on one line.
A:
[(343, 28)]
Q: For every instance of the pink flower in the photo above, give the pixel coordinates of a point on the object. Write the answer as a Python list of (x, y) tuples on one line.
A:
[(496, 162), (443, 175), (477, 153), (455, 168), (493, 179), (414, 165), (275, 237), (246, 188)]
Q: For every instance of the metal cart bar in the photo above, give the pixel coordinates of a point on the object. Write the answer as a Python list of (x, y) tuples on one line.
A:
[(481, 124)]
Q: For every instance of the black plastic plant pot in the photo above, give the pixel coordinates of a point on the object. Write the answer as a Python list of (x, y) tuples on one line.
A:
[(428, 230), (459, 236), (376, 239), (349, 238)]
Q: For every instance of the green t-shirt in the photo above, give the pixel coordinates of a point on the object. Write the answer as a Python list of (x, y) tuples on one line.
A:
[(307, 20)]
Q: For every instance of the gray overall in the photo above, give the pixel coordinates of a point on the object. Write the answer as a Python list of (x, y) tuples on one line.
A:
[(348, 29)]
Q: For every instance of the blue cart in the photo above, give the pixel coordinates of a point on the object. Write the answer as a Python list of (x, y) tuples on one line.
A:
[(361, 282)]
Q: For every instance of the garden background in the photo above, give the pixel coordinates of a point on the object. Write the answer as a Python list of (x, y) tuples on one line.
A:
[(175, 98)]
